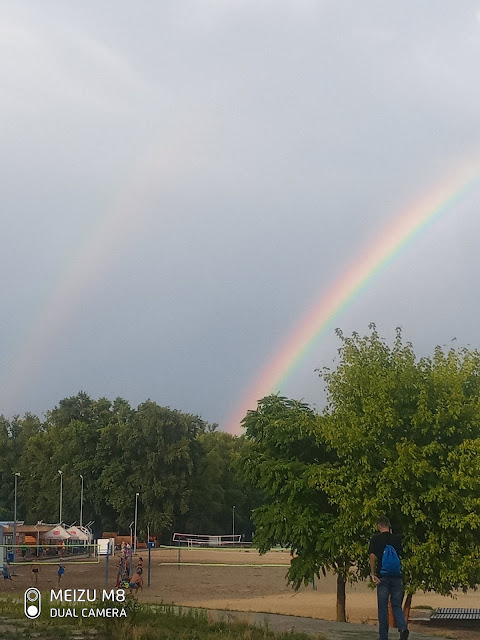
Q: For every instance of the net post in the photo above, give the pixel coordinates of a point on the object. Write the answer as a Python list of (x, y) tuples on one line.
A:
[(124, 565), (106, 566), (149, 562), (179, 555)]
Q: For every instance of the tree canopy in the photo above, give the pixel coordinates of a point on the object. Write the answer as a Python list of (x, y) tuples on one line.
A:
[(399, 436), (181, 466), (407, 436)]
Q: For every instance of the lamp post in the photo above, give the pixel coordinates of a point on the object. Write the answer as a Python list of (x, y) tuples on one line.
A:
[(16, 476), (61, 496), (233, 525), (81, 502), (136, 513)]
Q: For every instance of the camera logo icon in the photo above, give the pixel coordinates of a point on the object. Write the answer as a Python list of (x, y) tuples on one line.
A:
[(32, 603)]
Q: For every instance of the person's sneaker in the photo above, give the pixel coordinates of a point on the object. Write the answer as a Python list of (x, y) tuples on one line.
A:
[(404, 633)]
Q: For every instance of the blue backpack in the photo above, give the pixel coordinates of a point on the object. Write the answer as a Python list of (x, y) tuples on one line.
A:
[(390, 562)]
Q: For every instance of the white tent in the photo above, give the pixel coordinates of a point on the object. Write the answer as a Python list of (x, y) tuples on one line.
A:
[(78, 534), (57, 533)]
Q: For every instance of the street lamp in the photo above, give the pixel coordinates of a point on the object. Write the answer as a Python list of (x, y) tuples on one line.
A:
[(16, 475), (81, 502), (61, 496), (136, 512), (233, 525)]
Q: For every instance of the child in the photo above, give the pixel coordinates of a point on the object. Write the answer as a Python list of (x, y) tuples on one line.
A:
[(61, 571)]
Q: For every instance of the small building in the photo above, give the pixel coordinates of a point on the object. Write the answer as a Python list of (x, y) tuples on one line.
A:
[(27, 534), (29, 537)]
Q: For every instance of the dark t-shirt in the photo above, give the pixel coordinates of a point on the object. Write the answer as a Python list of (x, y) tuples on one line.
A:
[(380, 541)]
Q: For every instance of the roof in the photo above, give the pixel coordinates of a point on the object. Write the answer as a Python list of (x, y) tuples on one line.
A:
[(28, 528)]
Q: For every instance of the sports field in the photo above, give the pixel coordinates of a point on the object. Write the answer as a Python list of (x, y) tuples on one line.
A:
[(239, 580)]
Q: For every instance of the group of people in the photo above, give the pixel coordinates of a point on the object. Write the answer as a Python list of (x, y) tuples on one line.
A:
[(35, 570), (134, 582), (385, 551)]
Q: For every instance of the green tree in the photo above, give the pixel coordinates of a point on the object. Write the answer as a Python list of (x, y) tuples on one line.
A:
[(15, 435), (407, 439), (6, 470), (181, 467), (216, 489), (67, 441), (398, 436), (151, 452), (284, 450)]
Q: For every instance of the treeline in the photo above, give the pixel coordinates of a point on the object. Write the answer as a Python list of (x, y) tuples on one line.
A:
[(182, 468)]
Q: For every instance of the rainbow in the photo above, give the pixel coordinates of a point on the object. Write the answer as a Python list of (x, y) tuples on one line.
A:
[(406, 228), (162, 164)]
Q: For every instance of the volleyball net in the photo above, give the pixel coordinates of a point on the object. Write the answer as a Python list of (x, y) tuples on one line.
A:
[(191, 550), (193, 540)]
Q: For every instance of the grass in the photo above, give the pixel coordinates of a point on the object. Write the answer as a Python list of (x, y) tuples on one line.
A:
[(143, 622)]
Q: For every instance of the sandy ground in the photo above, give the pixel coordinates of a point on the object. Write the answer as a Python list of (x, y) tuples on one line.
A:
[(239, 580)]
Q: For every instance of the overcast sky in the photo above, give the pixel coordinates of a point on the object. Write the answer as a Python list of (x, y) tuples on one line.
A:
[(181, 181)]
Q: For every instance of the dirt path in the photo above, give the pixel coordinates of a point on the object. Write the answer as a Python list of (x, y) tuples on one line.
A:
[(332, 630)]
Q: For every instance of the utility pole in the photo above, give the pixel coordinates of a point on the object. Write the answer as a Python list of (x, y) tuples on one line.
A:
[(16, 475), (136, 513), (61, 496), (81, 502)]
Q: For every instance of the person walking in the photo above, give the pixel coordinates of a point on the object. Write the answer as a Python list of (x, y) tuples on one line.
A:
[(60, 572), (385, 551), (6, 574), (35, 569)]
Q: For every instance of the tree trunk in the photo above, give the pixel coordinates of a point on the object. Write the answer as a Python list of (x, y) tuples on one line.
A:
[(341, 611), (407, 605), (392, 623)]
